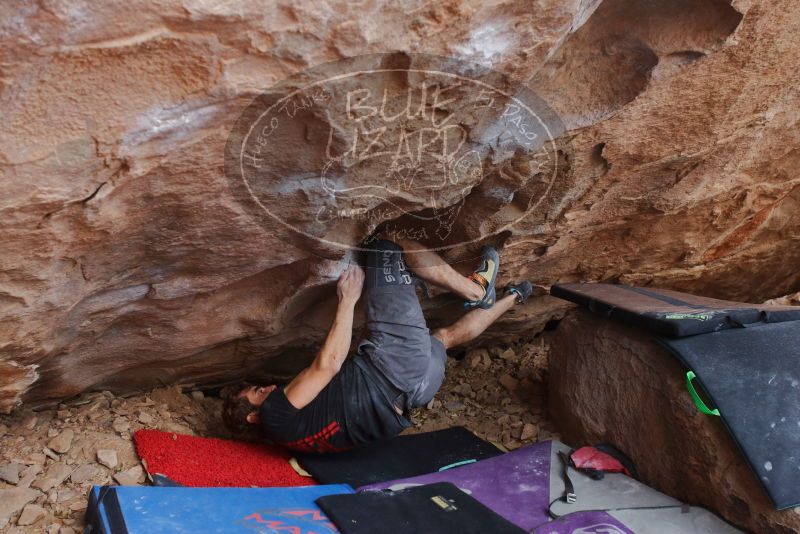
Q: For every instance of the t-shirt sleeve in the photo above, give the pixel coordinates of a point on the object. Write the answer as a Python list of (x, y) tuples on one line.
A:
[(276, 411)]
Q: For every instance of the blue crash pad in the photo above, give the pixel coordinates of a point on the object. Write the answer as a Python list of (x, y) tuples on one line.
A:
[(152, 510)]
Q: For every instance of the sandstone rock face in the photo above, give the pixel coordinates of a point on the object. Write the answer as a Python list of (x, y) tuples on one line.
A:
[(128, 260), (612, 383)]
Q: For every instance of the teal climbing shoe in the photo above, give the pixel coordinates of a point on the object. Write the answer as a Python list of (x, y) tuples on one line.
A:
[(522, 291)]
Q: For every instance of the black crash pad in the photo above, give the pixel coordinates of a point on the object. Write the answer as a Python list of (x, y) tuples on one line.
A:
[(670, 313), (431, 508), (752, 375), (399, 457), (745, 357)]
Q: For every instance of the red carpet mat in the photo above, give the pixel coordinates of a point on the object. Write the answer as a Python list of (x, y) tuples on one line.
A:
[(211, 462)]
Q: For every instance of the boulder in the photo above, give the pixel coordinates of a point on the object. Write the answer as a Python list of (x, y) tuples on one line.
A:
[(130, 259), (612, 383)]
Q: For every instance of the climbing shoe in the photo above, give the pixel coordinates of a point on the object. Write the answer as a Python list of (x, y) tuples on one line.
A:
[(522, 291), (485, 276)]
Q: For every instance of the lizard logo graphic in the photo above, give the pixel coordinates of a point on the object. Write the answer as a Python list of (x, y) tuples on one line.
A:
[(412, 144)]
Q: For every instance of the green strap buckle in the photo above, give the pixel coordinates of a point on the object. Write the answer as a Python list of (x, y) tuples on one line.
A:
[(696, 398)]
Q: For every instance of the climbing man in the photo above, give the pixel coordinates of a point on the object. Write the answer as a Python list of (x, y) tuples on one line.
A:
[(338, 403)]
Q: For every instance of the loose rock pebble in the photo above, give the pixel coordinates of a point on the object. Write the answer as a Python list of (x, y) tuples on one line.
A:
[(62, 442), (509, 382), (508, 355), (131, 477), (107, 458), (29, 423), (37, 458), (528, 431), (78, 505), (28, 475), (30, 515), (10, 472), (145, 418), (53, 476), (121, 425), (83, 473), (12, 501), (66, 495)]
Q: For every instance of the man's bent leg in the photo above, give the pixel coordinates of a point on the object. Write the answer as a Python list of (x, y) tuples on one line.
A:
[(429, 266), (473, 323)]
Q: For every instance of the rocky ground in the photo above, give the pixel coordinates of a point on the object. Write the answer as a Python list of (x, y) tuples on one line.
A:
[(498, 393), (50, 458)]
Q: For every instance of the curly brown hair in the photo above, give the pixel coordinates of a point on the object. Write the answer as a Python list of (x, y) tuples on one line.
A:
[(235, 409)]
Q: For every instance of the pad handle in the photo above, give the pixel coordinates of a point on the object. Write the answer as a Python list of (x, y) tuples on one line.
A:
[(696, 398), (457, 464)]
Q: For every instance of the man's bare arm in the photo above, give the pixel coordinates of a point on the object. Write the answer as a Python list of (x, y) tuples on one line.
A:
[(307, 385)]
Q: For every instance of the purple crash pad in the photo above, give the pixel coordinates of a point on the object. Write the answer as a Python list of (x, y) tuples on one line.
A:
[(584, 523), (515, 485)]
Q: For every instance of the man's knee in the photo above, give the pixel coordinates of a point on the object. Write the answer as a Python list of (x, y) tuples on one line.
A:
[(443, 335)]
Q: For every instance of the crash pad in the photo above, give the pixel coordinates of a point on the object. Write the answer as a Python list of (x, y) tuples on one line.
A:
[(743, 356), (402, 456), (657, 520), (521, 484), (752, 378), (431, 508), (210, 462), (670, 313), (156, 510), (516, 485)]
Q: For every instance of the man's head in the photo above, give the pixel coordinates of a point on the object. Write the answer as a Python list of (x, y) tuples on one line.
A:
[(241, 405)]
